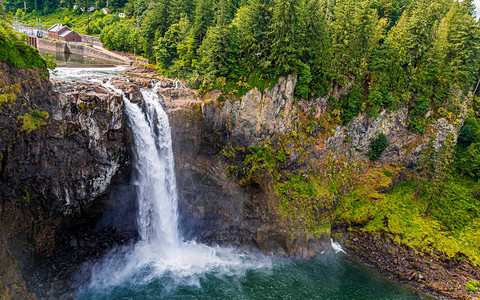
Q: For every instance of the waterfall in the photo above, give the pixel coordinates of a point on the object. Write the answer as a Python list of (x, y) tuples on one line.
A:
[(161, 250), (162, 265), (155, 176)]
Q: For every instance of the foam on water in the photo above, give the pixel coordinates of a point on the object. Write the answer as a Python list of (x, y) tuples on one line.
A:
[(94, 74), (337, 247)]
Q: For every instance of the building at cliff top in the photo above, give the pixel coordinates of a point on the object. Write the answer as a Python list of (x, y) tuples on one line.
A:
[(63, 33)]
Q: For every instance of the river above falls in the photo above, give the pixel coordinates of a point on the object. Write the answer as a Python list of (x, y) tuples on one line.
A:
[(163, 265)]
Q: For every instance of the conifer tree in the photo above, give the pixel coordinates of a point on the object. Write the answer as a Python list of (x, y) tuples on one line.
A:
[(285, 39)]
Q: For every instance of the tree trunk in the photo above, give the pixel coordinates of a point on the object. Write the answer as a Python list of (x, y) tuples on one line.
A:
[(428, 207)]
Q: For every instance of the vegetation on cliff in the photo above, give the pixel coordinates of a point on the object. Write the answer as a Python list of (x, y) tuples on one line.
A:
[(416, 53), (14, 50), (433, 209), (413, 53)]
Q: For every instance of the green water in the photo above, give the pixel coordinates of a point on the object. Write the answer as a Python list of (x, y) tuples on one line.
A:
[(330, 276)]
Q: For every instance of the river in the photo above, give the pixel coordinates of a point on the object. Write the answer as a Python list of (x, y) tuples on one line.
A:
[(163, 265)]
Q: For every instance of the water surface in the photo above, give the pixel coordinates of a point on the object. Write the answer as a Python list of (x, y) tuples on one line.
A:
[(330, 276)]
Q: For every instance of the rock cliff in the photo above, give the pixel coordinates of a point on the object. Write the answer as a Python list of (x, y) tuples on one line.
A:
[(213, 132), (214, 207), (62, 146)]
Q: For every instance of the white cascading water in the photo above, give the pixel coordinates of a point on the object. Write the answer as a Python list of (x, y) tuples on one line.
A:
[(161, 263), (155, 182)]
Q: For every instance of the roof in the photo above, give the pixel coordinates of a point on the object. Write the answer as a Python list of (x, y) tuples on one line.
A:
[(56, 28), (65, 33)]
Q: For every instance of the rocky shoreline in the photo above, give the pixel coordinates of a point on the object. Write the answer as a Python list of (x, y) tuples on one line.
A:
[(432, 274)]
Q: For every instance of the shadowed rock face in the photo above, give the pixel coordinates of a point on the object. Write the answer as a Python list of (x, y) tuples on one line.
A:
[(62, 147), (214, 208)]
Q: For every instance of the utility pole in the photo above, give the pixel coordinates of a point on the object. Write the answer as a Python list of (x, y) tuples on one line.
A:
[(25, 6)]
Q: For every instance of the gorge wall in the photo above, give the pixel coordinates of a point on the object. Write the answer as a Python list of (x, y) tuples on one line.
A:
[(218, 208), (65, 162), (62, 147)]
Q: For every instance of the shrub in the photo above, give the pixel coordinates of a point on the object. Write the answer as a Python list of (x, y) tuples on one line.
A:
[(467, 133), (14, 50), (378, 145)]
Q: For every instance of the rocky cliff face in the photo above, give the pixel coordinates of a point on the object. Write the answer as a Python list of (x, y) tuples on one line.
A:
[(257, 115), (220, 209), (215, 208), (62, 146), (404, 145)]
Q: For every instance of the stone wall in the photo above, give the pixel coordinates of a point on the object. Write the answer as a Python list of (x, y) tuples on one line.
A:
[(81, 50), (52, 45), (90, 39), (94, 52)]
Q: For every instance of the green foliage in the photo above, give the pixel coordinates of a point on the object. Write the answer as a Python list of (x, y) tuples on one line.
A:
[(388, 173), (351, 103), (452, 228), (472, 286), (435, 168), (403, 52), (414, 53), (467, 151), (50, 61), (377, 146), (14, 50), (259, 159), (456, 207), (122, 36), (33, 121), (77, 21)]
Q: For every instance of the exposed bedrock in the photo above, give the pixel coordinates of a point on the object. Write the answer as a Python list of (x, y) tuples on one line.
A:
[(215, 208), (62, 148)]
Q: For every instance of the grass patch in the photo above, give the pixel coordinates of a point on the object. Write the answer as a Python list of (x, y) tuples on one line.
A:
[(402, 216), (33, 121), (472, 286)]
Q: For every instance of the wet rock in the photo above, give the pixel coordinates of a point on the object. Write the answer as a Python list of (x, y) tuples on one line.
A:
[(428, 273)]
